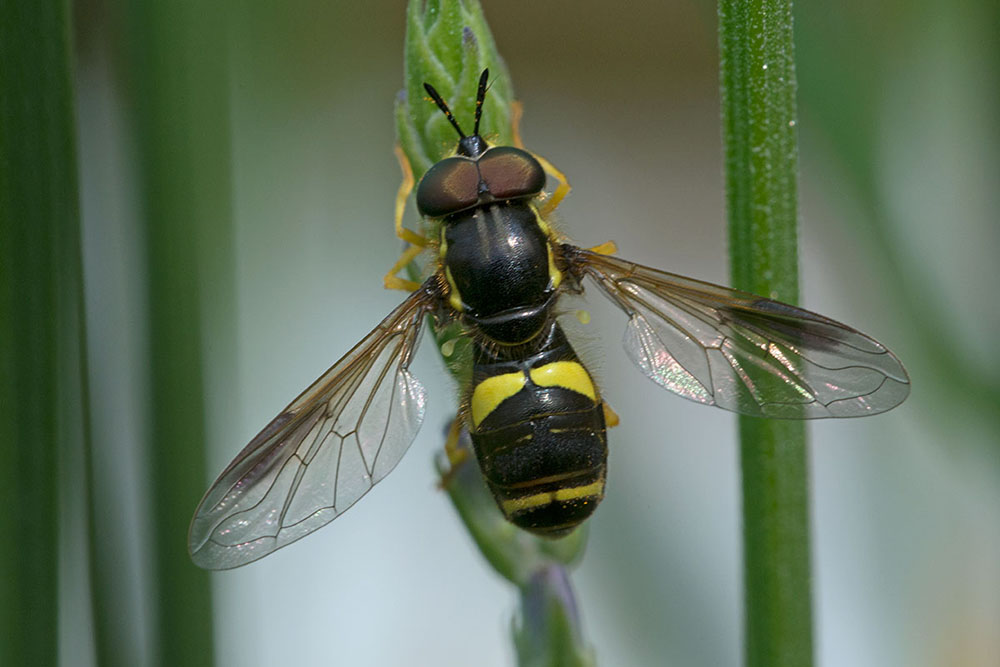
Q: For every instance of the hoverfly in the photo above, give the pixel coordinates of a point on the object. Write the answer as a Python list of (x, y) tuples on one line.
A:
[(535, 415)]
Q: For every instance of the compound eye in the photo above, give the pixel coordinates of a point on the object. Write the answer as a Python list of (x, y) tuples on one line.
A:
[(511, 173), (449, 186)]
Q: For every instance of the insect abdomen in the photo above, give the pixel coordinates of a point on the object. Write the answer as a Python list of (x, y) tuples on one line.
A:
[(539, 434)]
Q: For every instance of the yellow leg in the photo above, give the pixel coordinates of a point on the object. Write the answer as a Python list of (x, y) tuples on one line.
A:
[(456, 455), (606, 248), (392, 281), (416, 241), (405, 188), (610, 416), (516, 111), (550, 204)]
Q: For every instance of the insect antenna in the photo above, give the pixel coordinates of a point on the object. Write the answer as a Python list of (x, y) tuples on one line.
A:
[(444, 108), (480, 96)]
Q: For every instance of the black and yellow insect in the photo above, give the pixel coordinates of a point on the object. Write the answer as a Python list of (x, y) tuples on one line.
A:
[(535, 415)]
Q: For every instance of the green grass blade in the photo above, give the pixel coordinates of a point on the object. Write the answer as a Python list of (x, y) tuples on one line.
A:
[(40, 334), (759, 114), (179, 85)]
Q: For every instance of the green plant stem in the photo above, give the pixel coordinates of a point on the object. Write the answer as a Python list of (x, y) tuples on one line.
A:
[(40, 326), (759, 115), (448, 44)]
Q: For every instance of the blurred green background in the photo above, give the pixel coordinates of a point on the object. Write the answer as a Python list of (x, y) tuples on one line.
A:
[(237, 183)]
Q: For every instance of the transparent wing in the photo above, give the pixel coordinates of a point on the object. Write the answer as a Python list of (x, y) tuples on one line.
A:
[(328, 448), (745, 353)]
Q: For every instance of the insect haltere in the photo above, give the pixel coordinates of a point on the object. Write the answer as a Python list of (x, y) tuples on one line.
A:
[(535, 414)]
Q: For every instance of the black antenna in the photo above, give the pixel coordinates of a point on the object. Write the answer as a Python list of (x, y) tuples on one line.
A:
[(475, 145), (444, 108), (480, 96)]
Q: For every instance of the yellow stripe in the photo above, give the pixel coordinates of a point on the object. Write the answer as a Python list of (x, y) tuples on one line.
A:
[(566, 374), (544, 226), (555, 275), (492, 391), (454, 298), (443, 250), (544, 498), (548, 479)]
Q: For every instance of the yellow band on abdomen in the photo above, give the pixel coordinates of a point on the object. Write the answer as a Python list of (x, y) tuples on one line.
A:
[(594, 489), (492, 391), (566, 374)]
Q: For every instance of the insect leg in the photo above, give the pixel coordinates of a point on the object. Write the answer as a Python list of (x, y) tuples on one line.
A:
[(416, 241), (553, 201), (516, 111), (405, 188), (611, 418), (606, 248), (392, 281), (457, 455)]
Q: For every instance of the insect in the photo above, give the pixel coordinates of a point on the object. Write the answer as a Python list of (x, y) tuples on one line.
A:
[(536, 417)]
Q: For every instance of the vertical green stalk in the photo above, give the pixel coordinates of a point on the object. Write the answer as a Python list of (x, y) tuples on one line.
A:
[(40, 334), (448, 44), (180, 87), (759, 116)]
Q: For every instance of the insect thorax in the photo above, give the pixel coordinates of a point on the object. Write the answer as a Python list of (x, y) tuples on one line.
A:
[(501, 274)]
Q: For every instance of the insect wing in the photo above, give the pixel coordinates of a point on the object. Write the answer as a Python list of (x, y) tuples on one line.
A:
[(328, 448), (745, 353)]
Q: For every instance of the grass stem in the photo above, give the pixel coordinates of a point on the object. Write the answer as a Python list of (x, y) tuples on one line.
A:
[(761, 163)]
